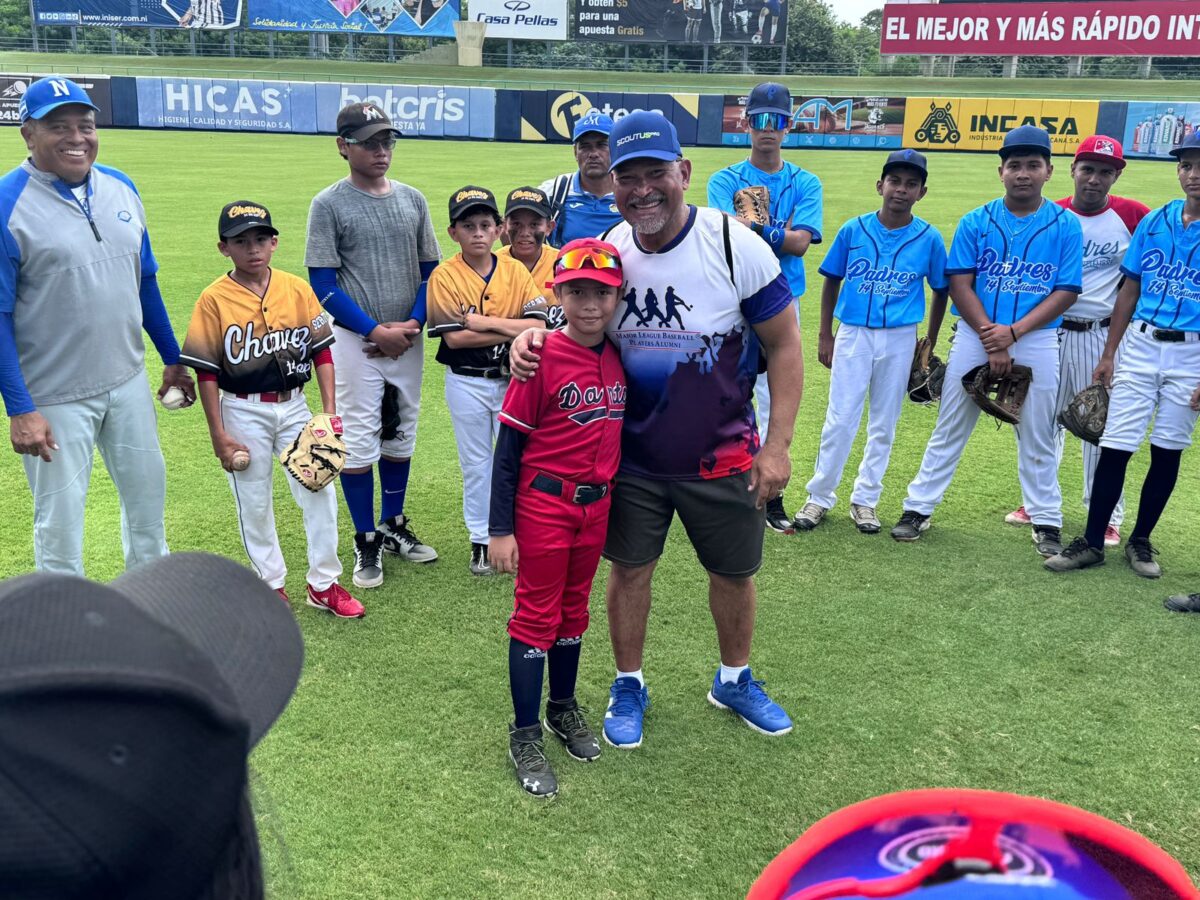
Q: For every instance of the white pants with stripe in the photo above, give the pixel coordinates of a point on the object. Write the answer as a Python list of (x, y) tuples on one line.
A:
[(1154, 379), (762, 393), (267, 429), (121, 424), (866, 361), (1037, 461), (360, 380), (474, 405)]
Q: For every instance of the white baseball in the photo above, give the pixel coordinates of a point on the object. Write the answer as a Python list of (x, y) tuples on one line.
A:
[(240, 461), (174, 398)]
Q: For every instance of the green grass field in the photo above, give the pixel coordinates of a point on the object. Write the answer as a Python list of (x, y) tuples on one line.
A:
[(956, 661), (421, 73)]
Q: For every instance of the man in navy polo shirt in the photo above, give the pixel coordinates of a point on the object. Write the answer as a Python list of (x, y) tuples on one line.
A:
[(581, 202)]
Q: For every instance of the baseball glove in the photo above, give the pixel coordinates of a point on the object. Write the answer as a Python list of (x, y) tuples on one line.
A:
[(317, 454), (389, 413), (1086, 414), (1000, 397), (753, 204), (926, 375)]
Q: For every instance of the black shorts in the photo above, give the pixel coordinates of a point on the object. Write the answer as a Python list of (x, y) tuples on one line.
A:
[(719, 515)]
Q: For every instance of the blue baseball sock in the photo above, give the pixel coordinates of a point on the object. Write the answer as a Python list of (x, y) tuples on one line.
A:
[(359, 491), (393, 478), (525, 667)]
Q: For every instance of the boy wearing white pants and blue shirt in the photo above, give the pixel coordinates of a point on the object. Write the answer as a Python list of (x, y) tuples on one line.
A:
[(875, 275), (1015, 266)]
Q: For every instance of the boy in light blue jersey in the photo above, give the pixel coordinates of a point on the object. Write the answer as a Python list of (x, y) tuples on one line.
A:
[(1016, 264), (1156, 325), (796, 216), (875, 275)]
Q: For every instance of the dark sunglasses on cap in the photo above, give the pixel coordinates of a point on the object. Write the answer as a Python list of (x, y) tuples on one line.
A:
[(764, 120), (373, 144), (575, 259)]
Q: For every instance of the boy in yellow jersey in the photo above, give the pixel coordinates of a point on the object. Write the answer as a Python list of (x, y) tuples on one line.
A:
[(255, 338), (527, 223), (477, 302)]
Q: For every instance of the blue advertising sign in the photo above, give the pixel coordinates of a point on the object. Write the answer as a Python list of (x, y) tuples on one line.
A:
[(424, 18), (415, 111), (139, 13), (227, 104), (1153, 130)]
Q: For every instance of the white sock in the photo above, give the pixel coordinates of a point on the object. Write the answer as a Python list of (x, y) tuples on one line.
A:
[(731, 674), (637, 675)]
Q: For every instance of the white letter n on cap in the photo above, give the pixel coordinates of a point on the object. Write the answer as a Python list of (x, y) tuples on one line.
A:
[(60, 88)]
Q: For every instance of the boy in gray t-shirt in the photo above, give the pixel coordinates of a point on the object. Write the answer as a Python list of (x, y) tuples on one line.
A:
[(370, 250)]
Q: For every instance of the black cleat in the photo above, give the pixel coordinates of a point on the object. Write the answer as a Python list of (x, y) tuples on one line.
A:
[(566, 722), (528, 755)]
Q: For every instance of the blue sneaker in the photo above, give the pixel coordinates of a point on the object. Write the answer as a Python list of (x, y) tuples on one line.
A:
[(747, 698), (627, 702)]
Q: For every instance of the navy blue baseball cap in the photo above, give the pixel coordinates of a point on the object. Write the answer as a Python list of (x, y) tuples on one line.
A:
[(643, 134), (906, 159), (1191, 142), (595, 121), (47, 94), (1026, 139), (769, 97)]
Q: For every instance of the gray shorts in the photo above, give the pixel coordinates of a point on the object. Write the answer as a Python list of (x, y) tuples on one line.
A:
[(719, 515)]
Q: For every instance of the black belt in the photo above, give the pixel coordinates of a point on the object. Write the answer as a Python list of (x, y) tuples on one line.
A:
[(580, 494), (1165, 334), (1081, 325), (494, 374)]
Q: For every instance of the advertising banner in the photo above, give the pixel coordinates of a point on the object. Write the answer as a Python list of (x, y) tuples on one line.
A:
[(551, 115), (139, 13), (682, 21), (1153, 130), (424, 18), (980, 123), (522, 20), (13, 87), (860, 122), (1145, 28)]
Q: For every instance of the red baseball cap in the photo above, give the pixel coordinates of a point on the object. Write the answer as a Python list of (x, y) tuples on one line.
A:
[(588, 258), (1101, 148)]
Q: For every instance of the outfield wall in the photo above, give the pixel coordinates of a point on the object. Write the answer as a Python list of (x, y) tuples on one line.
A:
[(1147, 130)]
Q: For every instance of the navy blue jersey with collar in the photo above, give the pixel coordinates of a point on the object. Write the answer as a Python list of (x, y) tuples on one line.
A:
[(1165, 258), (884, 271), (1018, 261)]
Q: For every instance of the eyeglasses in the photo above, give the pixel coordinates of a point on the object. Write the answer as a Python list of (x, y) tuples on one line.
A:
[(574, 259), (763, 121), (373, 144)]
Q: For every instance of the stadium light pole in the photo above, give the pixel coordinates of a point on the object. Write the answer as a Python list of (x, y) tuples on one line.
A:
[(33, 27)]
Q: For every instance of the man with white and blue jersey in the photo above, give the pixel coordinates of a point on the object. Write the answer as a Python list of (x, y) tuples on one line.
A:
[(796, 217), (875, 274), (77, 272), (581, 202), (1156, 325), (1015, 266)]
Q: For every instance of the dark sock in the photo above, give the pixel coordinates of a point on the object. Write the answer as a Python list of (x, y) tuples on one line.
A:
[(525, 667), (1156, 489), (359, 491), (393, 478), (564, 667), (1106, 491)]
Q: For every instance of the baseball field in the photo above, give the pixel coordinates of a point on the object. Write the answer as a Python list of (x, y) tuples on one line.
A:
[(956, 661)]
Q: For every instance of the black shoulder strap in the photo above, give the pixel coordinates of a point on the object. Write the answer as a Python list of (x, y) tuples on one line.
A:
[(728, 246), (562, 186)]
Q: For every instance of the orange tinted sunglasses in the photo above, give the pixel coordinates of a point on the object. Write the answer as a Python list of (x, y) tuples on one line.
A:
[(575, 259)]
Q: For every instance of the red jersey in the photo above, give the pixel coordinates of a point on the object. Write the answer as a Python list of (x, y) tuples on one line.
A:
[(572, 409)]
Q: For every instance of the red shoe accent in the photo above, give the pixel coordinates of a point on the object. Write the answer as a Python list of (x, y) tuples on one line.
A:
[(1018, 517), (283, 596), (1112, 537), (337, 600)]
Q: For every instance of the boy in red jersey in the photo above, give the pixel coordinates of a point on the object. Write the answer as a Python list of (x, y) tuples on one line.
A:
[(557, 454)]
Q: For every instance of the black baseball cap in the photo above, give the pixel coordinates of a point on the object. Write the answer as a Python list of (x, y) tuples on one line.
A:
[(242, 215), (127, 712), (531, 198), (361, 121), (906, 159), (1024, 140), (466, 198), (771, 97)]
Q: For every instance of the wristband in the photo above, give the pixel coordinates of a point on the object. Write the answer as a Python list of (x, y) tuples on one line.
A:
[(774, 236), (1013, 332)]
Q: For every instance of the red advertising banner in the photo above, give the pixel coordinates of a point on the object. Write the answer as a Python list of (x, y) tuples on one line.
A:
[(1145, 28)]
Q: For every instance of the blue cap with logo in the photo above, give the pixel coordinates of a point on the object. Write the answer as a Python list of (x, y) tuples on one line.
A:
[(643, 134), (1026, 139), (47, 94), (769, 97), (1191, 142), (906, 159), (593, 120)]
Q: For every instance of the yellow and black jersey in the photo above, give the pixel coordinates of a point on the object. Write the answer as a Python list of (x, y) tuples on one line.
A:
[(455, 289), (255, 344)]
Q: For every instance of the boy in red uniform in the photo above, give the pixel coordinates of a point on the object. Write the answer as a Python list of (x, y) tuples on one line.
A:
[(557, 454)]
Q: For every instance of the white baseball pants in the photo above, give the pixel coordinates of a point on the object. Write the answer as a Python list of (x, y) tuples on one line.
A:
[(121, 424), (360, 380), (1037, 466), (267, 429), (1153, 378), (874, 361), (762, 393), (474, 405)]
